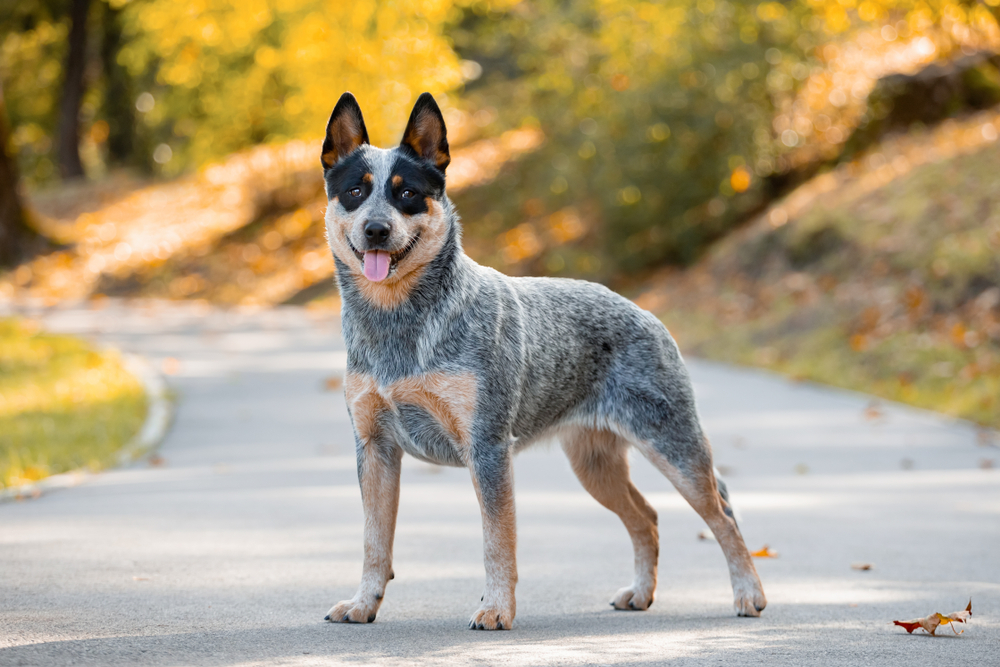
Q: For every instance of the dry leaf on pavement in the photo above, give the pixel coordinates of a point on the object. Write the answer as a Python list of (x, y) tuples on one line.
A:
[(765, 553), (932, 622)]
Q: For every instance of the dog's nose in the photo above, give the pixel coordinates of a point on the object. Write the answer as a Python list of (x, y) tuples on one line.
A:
[(377, 231)]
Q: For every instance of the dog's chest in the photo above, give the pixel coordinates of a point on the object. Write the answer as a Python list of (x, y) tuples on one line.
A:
[(430, 414)]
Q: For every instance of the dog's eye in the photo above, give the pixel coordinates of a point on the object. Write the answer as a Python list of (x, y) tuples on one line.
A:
[(408, 194), (355, 192)]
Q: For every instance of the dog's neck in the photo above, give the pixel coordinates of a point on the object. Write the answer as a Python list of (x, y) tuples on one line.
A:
[(374, 326)]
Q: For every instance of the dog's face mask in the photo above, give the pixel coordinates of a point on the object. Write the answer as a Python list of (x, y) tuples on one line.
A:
[(385, 217)]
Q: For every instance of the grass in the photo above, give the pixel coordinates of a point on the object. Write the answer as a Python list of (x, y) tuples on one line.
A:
[(883, 277), (63, 405)]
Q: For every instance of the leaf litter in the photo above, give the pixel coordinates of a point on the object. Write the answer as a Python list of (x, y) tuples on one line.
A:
[(931, 623)]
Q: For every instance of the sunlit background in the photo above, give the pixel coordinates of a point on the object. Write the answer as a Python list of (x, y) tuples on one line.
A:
[(809, 186)]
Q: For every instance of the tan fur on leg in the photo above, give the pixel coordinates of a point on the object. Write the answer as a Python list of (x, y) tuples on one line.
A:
[(698, 487), (378, 468), (498, 606), (600, 461)]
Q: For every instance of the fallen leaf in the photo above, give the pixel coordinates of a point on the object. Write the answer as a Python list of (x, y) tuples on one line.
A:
[(862, 566), (873, 411), (156, 460), (986, 464), (765, 553), (333, 383), (932, 622), (706, 535)]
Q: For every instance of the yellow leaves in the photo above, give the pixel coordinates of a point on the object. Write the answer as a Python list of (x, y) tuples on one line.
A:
[(771, 11), (740, 179), (931, 623), (260, 70)]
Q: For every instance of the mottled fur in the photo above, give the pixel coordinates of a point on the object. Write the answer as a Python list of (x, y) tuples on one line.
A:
[(457, 364)]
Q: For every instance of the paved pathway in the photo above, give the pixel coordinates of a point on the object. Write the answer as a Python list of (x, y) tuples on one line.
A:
[(232, 550)]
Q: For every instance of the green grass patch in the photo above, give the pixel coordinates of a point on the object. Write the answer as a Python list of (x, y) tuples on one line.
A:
[(891, 290), (907, 367), (63, 405)]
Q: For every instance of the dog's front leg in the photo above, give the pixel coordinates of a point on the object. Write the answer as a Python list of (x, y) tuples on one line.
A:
[(494, 482), (378, 472)]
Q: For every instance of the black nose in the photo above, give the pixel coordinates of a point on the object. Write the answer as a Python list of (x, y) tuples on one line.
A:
[(377, 231)]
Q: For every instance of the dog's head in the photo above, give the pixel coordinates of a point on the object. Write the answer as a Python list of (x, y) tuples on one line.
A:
[(387, 213)]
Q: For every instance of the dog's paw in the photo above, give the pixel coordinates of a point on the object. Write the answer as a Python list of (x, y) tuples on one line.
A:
[(749, 599), (353, 611), (633, 598), (490, 617)]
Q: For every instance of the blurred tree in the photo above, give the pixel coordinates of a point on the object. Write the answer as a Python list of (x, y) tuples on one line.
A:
[(670, 121), (68, 130), (16, 236), (222, 75), (118, 109), (32, 52)]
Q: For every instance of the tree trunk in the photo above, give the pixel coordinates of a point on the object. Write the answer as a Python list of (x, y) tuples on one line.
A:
[(119, 108), (68, 132), (16, 237)]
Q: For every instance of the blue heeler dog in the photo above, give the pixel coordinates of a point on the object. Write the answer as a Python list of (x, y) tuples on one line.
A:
[(457, 364)]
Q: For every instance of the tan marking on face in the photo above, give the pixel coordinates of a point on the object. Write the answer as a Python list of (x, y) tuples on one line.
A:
[(394, 290), (396, 180), (600, 461), (449, 399), (367, 178)]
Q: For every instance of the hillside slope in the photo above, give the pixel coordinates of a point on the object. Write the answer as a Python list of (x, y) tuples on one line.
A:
[(882, 276)]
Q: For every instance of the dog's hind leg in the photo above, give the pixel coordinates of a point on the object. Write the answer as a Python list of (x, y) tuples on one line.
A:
[(693, 476), (600, 461)]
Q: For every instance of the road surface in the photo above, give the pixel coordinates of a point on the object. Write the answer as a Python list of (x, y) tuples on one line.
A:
[(232, 549)]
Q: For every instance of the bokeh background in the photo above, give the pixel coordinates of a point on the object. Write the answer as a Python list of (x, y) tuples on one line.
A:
[(809, 186)]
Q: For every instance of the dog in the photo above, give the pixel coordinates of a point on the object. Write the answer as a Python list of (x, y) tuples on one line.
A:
[(457, 364)]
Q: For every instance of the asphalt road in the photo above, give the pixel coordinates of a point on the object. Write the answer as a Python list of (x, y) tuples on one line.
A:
[(233, 548)]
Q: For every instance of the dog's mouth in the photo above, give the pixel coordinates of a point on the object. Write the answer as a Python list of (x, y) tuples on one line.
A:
[(378, 264)]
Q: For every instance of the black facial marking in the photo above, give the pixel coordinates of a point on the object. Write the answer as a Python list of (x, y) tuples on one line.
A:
[(346, 176), (417, 176)]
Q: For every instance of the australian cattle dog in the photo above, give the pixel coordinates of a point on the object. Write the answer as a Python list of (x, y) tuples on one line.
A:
[(456, 364)]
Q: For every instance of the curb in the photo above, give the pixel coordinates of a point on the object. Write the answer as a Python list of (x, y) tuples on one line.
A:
[(159, 416)]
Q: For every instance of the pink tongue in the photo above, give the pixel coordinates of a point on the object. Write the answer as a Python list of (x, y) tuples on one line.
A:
[(376, 265)]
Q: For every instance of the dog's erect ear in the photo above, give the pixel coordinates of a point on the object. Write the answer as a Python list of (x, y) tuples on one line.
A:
[(345, 131), (425, 134)]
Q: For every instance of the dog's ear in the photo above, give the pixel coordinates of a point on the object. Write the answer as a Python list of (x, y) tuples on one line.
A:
[(425, 134), (345, 131)]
